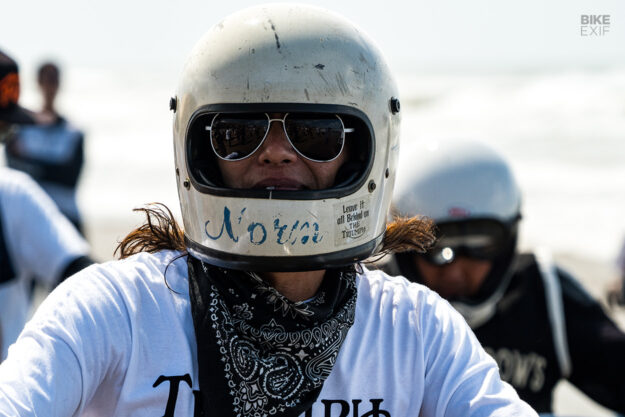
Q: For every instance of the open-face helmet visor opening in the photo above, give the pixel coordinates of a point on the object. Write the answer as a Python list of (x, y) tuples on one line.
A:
[(202, 160)]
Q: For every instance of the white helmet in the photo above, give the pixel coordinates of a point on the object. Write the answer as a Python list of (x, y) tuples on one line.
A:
[(451, 180), (283, 58), (470, 192)]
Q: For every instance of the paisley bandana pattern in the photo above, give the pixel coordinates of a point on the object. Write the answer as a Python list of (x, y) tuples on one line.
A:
[(259, 353)]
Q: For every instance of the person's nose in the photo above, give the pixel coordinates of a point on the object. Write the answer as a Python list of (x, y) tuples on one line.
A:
[(453, 269), (276, 149)]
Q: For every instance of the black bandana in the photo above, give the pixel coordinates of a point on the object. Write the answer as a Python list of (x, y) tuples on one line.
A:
[(260, 354)]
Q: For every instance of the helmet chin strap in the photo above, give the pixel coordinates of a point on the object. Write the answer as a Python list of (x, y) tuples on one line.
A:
[(479, 313)]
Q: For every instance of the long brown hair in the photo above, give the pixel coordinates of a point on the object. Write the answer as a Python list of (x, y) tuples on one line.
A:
[(161, 231)]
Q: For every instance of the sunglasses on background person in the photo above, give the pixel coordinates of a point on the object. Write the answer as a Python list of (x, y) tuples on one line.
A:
[(476, 239), (317, 137)]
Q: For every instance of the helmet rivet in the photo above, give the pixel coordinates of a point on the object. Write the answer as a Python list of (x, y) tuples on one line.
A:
[(186, 184), (387, 173), (371, 186), (394, 105), (173, 103)]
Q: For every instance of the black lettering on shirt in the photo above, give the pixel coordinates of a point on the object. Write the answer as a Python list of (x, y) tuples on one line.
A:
[(174, 383), (342, 408), (521, 370)]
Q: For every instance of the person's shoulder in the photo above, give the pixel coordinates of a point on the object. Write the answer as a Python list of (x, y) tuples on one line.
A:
[(157, 262), (139, 284), (382, 277), (390, 281), (12, 179), (573, 290), (140, 271), (409, 308), (388, 263), (67, 125), (525, 263), (19, 191), (379, 287)]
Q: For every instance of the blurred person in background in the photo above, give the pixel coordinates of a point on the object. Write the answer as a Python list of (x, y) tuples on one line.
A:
[(52, 154), (260, 307), (36, 241), (535, 319)]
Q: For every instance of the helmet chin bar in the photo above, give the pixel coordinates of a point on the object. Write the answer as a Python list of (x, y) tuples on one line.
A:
[(478, 314), (283, 263), (479, 308)]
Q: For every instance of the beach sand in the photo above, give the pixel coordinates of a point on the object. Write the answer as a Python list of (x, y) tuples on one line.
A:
[(595, 276)]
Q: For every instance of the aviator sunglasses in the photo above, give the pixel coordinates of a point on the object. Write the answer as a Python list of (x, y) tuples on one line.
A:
[(317, 137)]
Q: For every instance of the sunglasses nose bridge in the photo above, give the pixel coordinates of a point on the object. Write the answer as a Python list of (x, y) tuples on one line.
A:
[(277, 143), (269, 127), (282, 121)]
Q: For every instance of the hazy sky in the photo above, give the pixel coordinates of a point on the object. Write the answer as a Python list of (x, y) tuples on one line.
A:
[(561, 112), (421, 35)]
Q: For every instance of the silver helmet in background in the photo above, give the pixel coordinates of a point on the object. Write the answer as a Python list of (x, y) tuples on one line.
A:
[(470, 192)]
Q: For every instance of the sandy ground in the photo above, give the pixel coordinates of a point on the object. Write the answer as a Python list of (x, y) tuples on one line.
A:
[(595, 277)]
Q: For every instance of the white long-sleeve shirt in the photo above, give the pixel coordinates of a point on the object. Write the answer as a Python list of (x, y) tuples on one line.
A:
[(117, 338)]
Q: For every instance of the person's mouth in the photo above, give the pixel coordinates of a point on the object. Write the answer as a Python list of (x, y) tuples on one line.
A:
[(279, 184)]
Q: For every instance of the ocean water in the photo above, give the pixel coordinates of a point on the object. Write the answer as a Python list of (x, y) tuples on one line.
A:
[(563, 132)]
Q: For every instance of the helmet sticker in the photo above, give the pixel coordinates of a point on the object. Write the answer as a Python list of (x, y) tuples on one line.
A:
[(352, 220), (458, 212), (244, 225)]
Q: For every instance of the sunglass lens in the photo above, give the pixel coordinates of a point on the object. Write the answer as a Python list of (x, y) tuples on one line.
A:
[(319, 137), (236, 136)]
